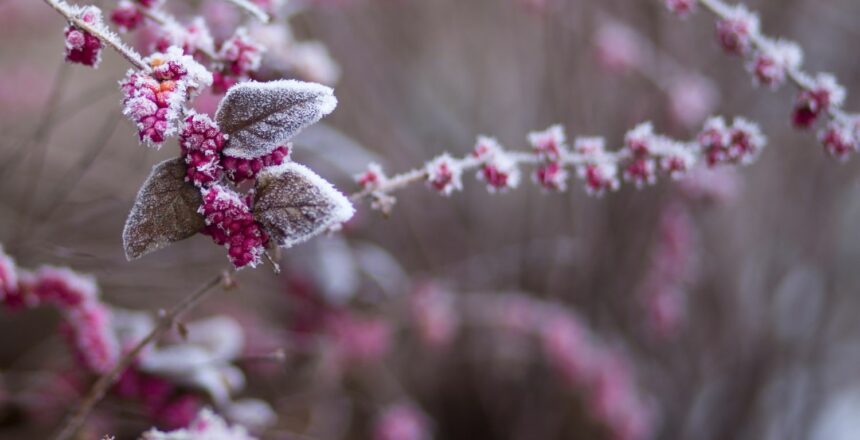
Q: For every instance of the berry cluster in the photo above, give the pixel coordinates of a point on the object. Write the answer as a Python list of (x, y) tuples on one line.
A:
[(229, 220), (773, 62), (81, 46), (230, 223), (643, 157), (154, 100), (241, 57), (87, 322)]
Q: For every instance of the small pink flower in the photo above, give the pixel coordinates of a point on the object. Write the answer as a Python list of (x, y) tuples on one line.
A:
[(840, 139), (401, 422), (551, 176), (821, 94), (598, 171), (444, 174), (498, 169), (229, 222), (372, 177), (773, 61), (81, 46), (735, 32), (549, 144)]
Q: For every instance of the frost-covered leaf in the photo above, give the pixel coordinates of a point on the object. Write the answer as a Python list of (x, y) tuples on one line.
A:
[(293, 203), (261, 116), (165, 211)]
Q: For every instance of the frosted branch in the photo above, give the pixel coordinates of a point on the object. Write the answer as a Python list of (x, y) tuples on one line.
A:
[(105, 35)]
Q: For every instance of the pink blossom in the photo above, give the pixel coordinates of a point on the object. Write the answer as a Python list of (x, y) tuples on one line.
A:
[(372, 177), (444, 174), (498, 169), (820, 95), (567, 348), (736, 30), (549, 144), (774, 60), (840, 138)]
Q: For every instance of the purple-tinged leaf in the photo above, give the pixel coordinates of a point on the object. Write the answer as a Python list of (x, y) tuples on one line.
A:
[(259, 117), (294, 204), (165, 211)]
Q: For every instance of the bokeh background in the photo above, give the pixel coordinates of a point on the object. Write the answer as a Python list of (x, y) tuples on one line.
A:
[(757, 338)]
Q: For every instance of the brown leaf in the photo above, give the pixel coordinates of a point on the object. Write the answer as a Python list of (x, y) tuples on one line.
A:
[(259, 117), (165, 211), (294, 204)]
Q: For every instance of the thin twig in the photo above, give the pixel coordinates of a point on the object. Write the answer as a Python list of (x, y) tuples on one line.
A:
[(470, 163), (759, 42), (252, 9), (165, 323)]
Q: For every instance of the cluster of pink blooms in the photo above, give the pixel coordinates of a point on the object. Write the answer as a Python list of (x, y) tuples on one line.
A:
[(241, 57), (230, 223), (162, 400), (87, 322), (81, 46), (642, 158), (154, 100), (772, 62), (671, 269), (401, 421)]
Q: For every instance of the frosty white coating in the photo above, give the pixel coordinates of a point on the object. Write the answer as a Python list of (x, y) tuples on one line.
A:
[(165, 211), (258, 117)]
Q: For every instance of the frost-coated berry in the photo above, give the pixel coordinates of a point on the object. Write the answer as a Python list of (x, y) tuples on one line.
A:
[(229, 222)]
